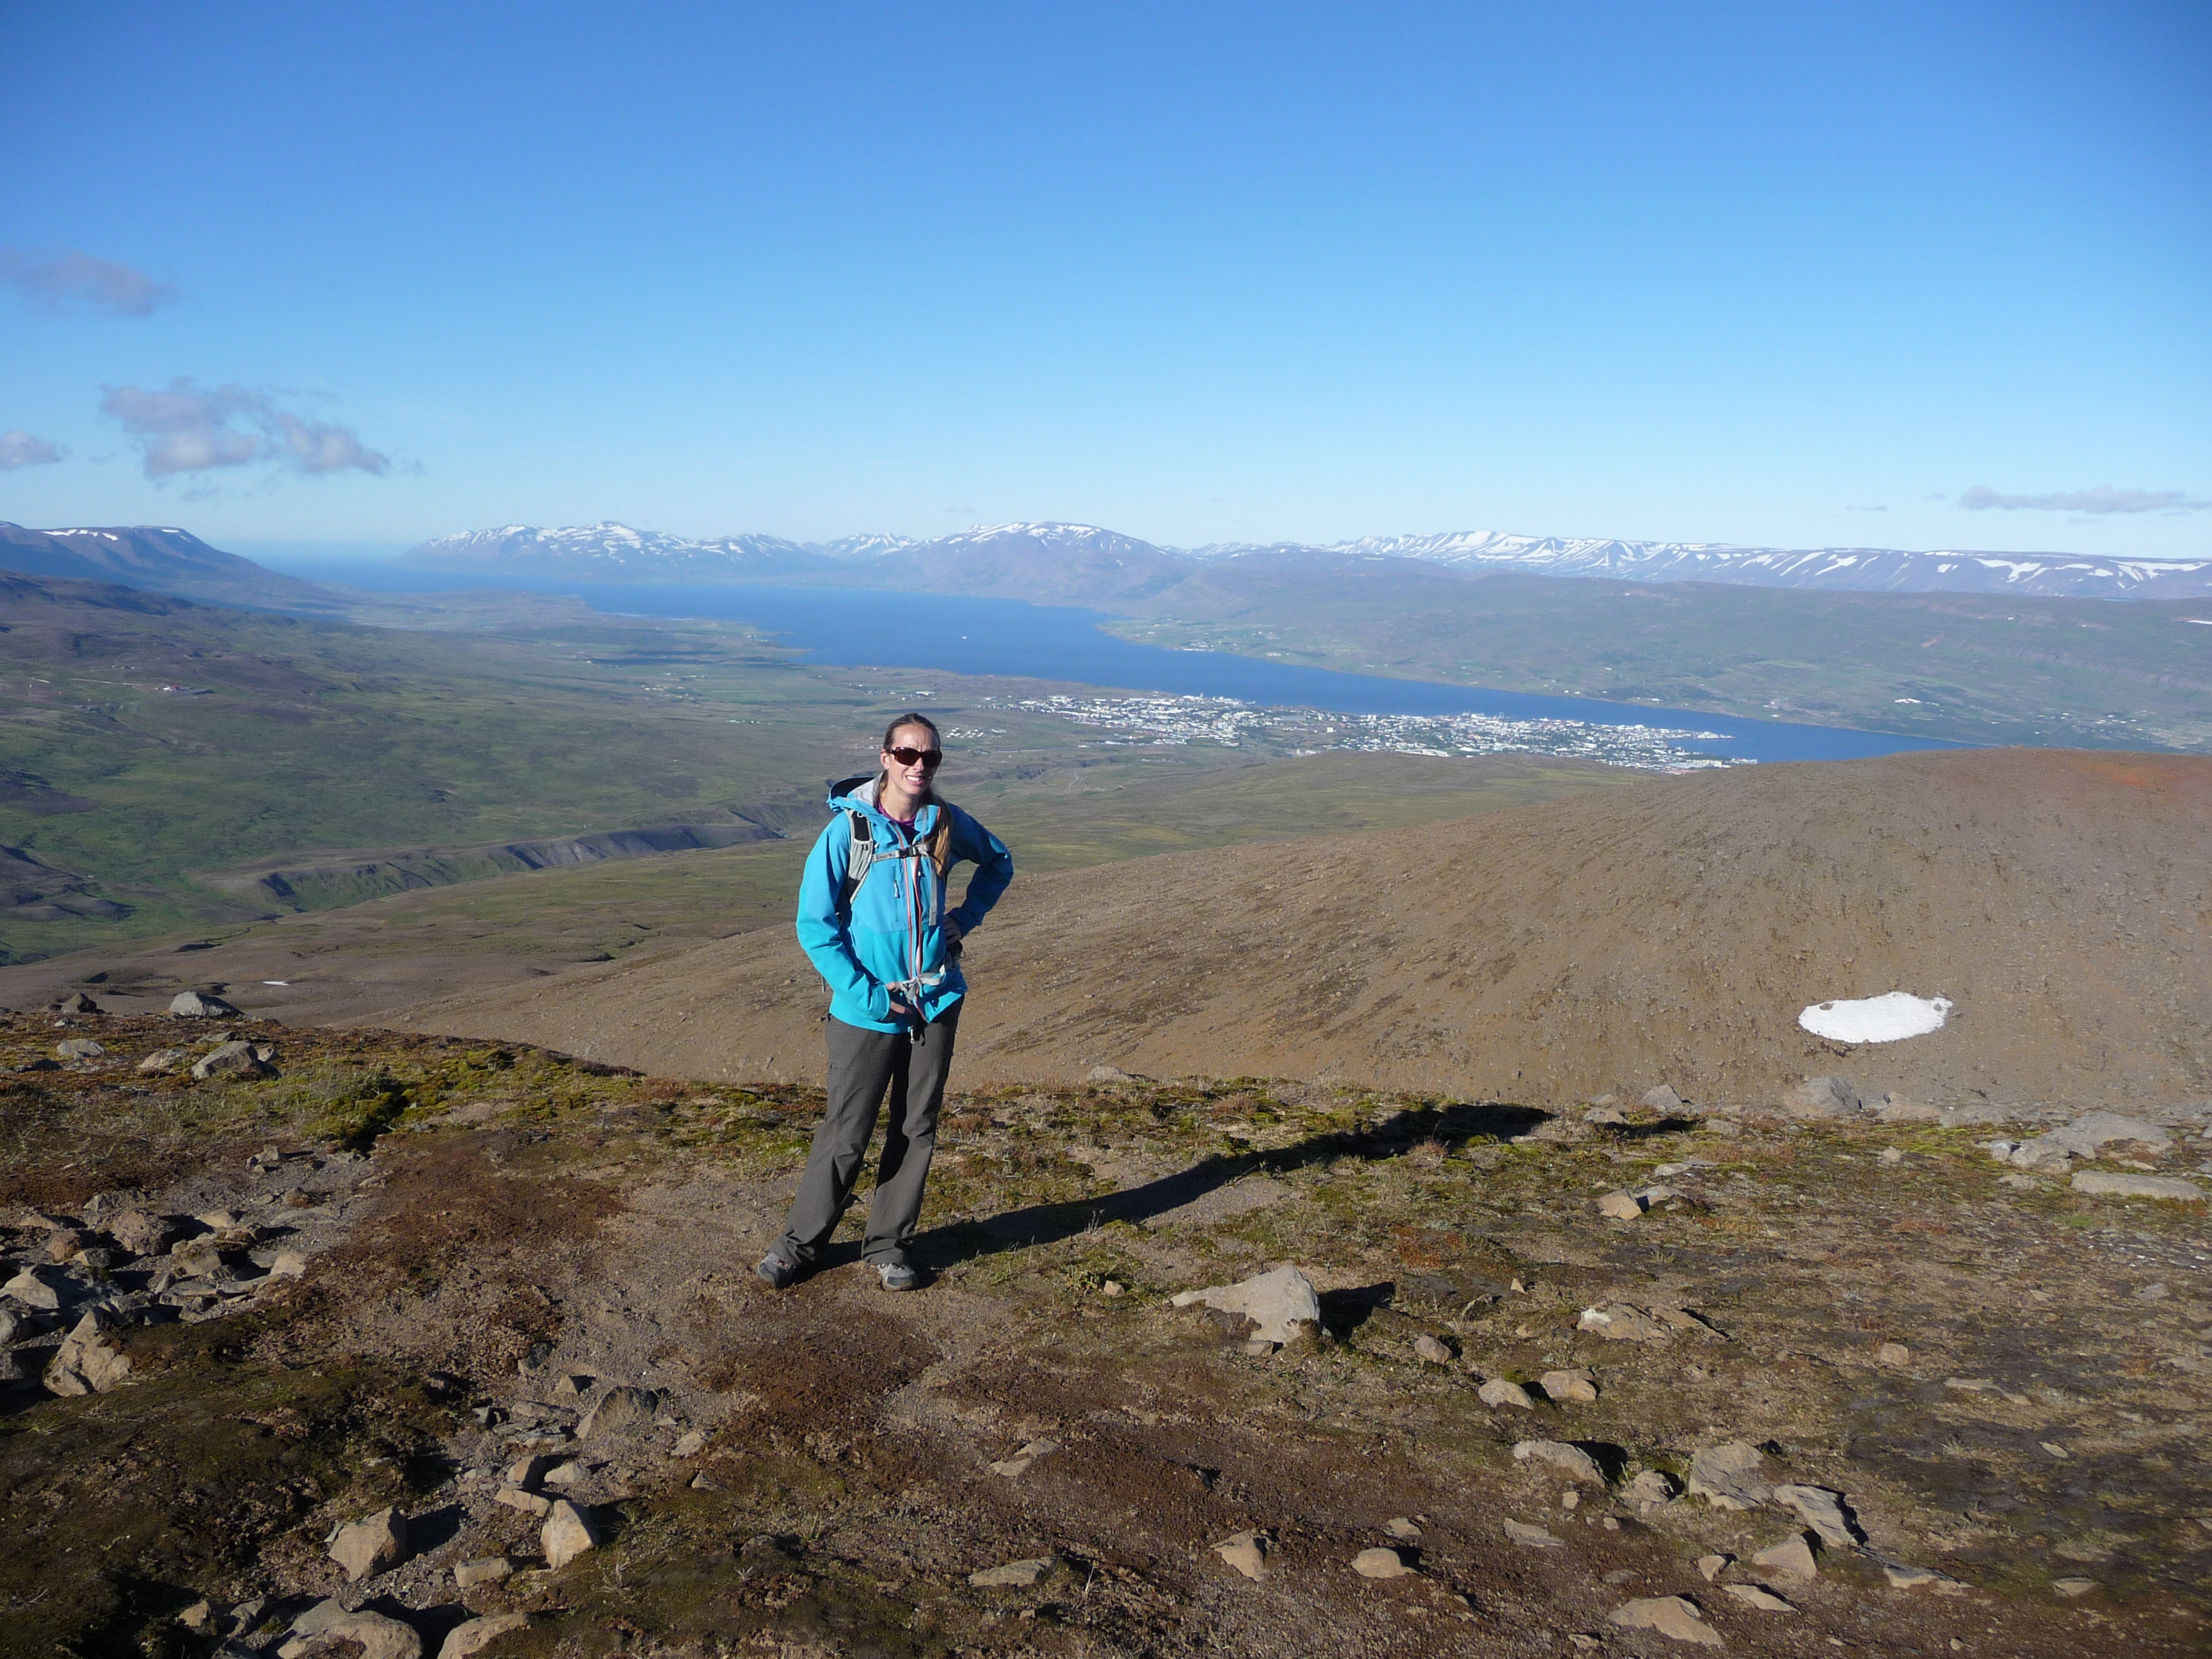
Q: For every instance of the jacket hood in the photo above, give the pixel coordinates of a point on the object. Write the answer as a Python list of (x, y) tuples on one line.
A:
[(858, 794)]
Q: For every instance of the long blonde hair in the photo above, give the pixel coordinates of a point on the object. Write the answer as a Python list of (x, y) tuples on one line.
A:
[(938, 842)]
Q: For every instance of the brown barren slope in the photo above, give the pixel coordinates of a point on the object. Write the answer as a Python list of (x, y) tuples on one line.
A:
[(1609, 942)]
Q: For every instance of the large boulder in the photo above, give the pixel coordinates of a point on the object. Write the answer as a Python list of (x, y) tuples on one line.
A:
[(89, 1361), (566, 1535), (373, 1544), (1730, 1476), (229, 1060), (1282, 1305), (465, 1640), (195, 1005)]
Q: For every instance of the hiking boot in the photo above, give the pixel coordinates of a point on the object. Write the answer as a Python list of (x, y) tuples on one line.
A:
[(775, 1273), (897, 1276)]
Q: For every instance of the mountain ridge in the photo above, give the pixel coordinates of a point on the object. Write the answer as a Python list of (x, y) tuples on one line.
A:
[(1029, 559), (160, 558)]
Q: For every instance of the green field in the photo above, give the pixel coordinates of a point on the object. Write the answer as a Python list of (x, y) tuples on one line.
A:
[(157, 757)]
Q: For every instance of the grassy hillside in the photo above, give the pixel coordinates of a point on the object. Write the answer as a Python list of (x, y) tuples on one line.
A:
[(1975, 669)]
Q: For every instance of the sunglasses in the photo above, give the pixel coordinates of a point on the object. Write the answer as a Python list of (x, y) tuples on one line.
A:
[(931, 758)]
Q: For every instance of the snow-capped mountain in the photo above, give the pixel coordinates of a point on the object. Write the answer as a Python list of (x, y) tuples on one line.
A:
[(1081, 562), (1866, 569), (613, 552)]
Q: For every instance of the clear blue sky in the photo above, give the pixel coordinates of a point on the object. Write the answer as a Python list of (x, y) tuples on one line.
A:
[(1713, 272)]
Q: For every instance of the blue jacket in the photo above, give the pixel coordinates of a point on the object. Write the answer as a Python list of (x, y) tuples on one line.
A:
[(895, 936)]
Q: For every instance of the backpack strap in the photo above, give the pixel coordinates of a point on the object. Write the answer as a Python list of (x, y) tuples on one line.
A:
[(860, 853)]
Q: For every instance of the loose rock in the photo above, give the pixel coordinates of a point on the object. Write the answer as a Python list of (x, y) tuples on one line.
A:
[(1651, 1488), (1730, 1476), (566, 1535), (619, 1409), (2087, 1135), (1431, 1349), (688, 1445), (1499, 1392), (1535, 1538), (80, 1049), (1380, 1562), (1403, 1527), (1673, 1616), (1017, 1575), (1793, 1557), (1822, 1096), (466, 1639), (88, 1360), (1893, 1354), (76, 1003), (2071, 1588), (1571, 1461), (529, 1503), (1616, 1321), (1020, 1462), (1662, 1099), (1904, 1577), (2172, 1188), (229, 1060), (193, 1005), (1710, 1567), (1753, 1596), (1620, 1207), (1822, 1511), (1247, 1552), (1282, 1305), (380, 1638), (165, 1059), (489, 1570), (373, 1544), (1576, 1384), (141, 1232), (38, 1288)]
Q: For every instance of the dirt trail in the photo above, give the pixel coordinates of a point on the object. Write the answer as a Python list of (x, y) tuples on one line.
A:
[(2062, 901)]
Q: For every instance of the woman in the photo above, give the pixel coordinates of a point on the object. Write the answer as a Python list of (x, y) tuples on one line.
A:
[(872, 916)]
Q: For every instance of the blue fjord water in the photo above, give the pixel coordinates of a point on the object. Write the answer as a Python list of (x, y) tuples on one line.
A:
[(951, 634)]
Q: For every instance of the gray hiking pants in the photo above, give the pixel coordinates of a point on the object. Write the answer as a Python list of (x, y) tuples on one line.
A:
[(912, 1065)]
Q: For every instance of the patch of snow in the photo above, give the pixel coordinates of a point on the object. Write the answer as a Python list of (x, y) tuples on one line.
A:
[(1888, 1019)]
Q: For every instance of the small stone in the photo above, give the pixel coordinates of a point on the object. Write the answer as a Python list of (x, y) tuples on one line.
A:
[(288, 1264), (80, 1049), (1247, 1552), (569, 1386), (192, 1005), (1894, 1355), (1380, 1562), (1662, 1099), (2173, 1189), (1112, 1074), (2071, 1588), (1620, 1207), (1674, 1617), (165, 1059), (76, 1003), (1891, 1157), (88, 1360), (525, 1472), (1282, 1304), (1822, 1096), (489, 1570), (566, 1535), (371, 1545), (1792, 1557), (569, 1474), (618, 1410), (1730, 1476), (313, 1622), (1710, 1566), (700, 1483), (1571, 1499), (1902, 1576), (1499, 1392), (1571, 1461), (1113, 1288), (1652, 1486), (196, 1618), (63, 1243), (464, 1640), (2054, 1448), (1753, 1596), (528, 1502), (688, 1445), (1435, 1351), (1535, 1538), (198, 1258), (1576, 1384), (229, 1059), (1822, 1511), (1017, 1575), (1020, 1462), (1617, 1322), (247, 1616)]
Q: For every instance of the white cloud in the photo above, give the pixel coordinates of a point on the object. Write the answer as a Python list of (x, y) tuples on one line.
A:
[(2103, 499), (190, 428), (59, 278), (21, 449)]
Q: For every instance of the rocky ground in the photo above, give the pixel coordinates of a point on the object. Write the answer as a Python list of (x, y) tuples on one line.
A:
[(360, 1339)]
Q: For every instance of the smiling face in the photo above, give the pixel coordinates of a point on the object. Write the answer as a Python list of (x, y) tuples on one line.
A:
[(910, 779)]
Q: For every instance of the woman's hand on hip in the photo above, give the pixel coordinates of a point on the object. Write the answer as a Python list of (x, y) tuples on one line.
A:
[(954, 932)]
